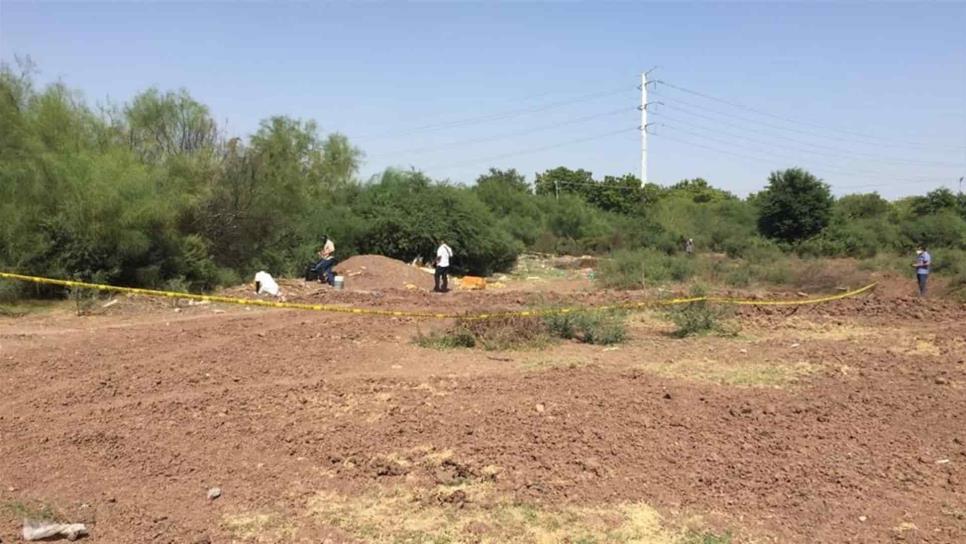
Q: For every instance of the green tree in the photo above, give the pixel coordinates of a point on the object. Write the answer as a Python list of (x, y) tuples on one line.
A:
[(564, 180), (699, 190), (161, 125), (862, 206), (620, 194), (794, 206), (406, 213)]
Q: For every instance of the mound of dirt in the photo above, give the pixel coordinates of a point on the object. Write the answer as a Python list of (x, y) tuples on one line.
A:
[(375, 272)]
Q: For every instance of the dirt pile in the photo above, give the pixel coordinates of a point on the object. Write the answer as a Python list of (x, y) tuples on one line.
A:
[(375, 272)]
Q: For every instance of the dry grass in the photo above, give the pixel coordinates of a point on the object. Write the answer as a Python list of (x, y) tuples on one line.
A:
[(465, 506), (734, 372), (472, 512), (260, 527)]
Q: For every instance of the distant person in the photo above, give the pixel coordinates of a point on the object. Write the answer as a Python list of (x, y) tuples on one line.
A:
[(923, 261), (323, 268), (689, 247), (265, 284), (441, 275)]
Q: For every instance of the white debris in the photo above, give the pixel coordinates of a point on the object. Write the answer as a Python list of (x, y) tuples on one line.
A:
[(40, 530)]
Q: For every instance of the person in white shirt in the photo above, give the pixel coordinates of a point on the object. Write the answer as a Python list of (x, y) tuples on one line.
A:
[(323, 268), (441, 275), (265, 284)]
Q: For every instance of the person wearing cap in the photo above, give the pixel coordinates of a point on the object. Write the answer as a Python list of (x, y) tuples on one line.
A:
[(923, 261)]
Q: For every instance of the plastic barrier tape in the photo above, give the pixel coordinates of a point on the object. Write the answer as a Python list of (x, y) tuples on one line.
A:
[(430, 315)]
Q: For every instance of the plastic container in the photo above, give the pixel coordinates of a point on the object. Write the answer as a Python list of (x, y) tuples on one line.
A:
[(338, 282)]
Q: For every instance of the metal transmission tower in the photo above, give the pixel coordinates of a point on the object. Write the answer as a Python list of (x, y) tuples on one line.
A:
[(643, 108)]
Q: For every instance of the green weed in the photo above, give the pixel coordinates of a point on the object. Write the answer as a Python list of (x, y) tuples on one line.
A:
[(590, 327), (700, 317)]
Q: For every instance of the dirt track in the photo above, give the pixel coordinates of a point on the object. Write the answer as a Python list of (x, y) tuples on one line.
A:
[(839, 423)]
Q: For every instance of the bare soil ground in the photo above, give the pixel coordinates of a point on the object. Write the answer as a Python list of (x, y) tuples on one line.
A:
[(843, 422)]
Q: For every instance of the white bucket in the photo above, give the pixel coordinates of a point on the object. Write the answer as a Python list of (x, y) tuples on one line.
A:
[(338, 282)]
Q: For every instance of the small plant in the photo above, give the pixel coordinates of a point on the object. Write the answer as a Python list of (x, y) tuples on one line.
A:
[(456, 338), (512, 332), (32, 511), (591, 327), (85, 300), (500, 333), (699, 317)]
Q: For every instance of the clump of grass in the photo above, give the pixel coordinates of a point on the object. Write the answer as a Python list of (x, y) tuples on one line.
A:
[(503, 333), (498, 333), (519, 332), (590, 327), (449, 339), (700, 317)]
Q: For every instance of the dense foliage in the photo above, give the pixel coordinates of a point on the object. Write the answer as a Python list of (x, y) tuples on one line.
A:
[(153, 193)]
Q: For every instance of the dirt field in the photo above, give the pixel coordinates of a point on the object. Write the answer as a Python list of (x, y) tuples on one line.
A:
[(844, 422)]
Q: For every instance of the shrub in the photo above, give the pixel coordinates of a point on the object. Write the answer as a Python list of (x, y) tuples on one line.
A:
[(590, 327), (637, 269), (458, 337), (499, 333), (700, 317)]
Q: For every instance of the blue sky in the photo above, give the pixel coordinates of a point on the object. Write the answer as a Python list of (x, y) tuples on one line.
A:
[(867, 96)]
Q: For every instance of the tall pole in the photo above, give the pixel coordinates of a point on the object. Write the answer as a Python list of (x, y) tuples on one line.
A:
[(643, 128)]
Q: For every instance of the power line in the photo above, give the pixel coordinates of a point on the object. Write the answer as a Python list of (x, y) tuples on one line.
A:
[(502, 115), (787, 119), (674, 104), (785, 156), (458, 143), (832, 150), (535, 149), (832, 153), (767, 160)]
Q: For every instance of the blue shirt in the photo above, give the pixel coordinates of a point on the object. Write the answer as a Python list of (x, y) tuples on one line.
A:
[(922, 264)]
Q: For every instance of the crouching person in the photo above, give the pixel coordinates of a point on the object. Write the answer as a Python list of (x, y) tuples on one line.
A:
[(265, 284)]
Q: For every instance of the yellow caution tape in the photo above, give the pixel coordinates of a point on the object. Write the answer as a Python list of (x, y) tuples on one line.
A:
[(431, 315)]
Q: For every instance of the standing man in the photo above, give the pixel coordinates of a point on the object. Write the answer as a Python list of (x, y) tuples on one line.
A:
[(923, 261), (689, 247), (326, 261), (443, 255)]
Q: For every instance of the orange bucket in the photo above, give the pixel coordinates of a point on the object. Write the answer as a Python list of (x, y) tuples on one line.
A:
[(473, 282)]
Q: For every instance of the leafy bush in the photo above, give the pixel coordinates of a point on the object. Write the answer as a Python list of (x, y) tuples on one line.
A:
[(952, 263), (590, 327), (700, 317)]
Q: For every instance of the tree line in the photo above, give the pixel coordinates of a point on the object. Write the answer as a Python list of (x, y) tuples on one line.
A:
[(153, 193)]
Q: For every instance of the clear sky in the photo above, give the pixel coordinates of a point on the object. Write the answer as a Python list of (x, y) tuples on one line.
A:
[(867, 96)]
